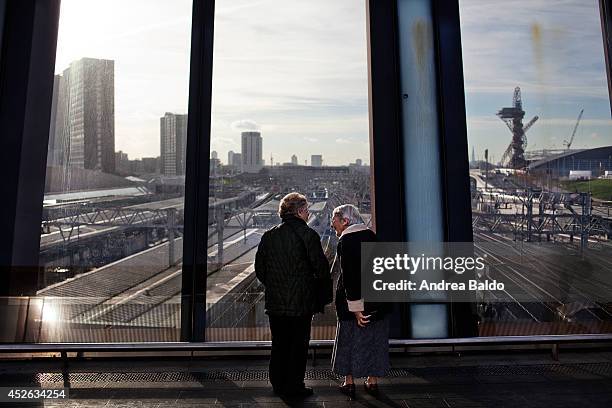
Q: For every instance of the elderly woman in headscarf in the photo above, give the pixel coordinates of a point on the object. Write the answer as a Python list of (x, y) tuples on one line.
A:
[(361, 347)]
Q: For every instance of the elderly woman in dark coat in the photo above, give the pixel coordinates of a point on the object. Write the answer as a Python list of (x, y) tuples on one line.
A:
[(361, 347)]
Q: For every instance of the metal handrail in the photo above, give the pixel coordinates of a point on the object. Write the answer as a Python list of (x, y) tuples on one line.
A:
[(315, 344)]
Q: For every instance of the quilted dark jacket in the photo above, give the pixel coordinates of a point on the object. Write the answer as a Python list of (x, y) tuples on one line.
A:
[(287, 258), (349, 280)]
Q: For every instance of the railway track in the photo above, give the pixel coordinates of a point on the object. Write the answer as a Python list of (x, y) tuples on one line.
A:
[(549, 290)]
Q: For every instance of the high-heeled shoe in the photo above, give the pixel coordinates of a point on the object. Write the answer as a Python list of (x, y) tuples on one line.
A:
[(348, 389), (371, 389)]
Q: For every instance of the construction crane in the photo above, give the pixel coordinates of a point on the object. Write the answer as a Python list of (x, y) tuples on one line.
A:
[(514, 156), (567, 143)]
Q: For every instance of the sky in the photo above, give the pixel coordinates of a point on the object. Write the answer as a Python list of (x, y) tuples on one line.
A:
[(555, 54), (297, 71), (298, 75)]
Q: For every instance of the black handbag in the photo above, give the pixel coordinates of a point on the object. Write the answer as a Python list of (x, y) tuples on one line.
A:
[(324, 287)]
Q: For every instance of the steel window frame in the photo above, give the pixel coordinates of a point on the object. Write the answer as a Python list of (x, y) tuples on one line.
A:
[(27, 61), (386, 138), (27, 64), (605, 12), (457, 211), (193, 303)]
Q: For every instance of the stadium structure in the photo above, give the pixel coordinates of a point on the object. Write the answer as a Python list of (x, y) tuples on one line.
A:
[(597, 160)]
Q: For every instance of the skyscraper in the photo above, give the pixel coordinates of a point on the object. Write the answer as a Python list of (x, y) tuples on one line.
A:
[(238, 161), (82, 131), (252, 159), (173, 138), (316, 160), (230, 158), (294, 160)]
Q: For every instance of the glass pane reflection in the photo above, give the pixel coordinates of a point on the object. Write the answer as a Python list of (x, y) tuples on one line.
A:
[(289, 114), (540, 145), (111, 235)]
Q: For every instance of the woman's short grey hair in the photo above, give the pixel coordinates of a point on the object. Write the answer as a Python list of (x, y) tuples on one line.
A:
[(348, 212)]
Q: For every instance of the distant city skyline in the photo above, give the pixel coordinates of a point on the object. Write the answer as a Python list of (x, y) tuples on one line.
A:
[(315, 95)]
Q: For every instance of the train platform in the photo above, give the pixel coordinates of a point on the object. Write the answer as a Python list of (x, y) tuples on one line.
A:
[(527, 378)]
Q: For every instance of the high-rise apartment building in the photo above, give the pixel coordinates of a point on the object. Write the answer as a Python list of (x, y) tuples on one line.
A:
[(173, 138), (82, 131), (252, 159), (234, 160), (316, 160), (237, 163)]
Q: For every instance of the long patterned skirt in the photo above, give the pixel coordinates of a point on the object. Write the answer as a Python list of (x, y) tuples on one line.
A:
[(361, 351)]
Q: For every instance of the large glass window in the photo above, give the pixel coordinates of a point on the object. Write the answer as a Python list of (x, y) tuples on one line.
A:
[(540, 146), (289, 113), (111, 234)]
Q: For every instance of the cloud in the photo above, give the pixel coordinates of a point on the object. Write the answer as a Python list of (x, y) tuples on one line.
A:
[(311, 139), (223, 144), (245, 124), (342, 141), (554, 52), (223, 141)]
